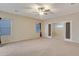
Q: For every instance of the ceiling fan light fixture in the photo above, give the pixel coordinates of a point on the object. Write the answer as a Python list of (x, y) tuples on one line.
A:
[(43, 11)]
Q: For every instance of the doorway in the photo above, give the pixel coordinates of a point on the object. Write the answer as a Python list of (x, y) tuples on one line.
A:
[(58, 30)]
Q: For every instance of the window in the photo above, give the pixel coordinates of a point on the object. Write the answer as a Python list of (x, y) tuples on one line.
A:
[(37, 27), (60, 25), (5, 27)]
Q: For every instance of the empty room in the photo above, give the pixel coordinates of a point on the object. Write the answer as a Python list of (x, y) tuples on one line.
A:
[(39, 29)]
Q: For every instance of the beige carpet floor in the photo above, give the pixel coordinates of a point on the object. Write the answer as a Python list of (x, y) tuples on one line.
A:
[(40, 47)]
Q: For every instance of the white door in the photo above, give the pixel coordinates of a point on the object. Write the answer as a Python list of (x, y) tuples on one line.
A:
[(47, 31)]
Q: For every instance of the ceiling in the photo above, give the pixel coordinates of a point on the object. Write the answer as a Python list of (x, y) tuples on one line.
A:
[(29, 9)]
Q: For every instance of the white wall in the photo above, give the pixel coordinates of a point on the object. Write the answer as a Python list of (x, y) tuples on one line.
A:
[(23, 28), (74, 18)]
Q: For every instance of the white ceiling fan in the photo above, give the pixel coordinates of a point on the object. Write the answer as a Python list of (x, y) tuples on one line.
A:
[(38, 8)]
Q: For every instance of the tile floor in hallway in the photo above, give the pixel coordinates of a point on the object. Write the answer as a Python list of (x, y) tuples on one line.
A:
[(40, 47)]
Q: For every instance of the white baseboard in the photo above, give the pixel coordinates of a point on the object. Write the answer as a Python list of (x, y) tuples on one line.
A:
[(71, 41)]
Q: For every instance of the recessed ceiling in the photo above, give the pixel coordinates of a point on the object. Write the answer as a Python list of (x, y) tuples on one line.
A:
[(29, 9)]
